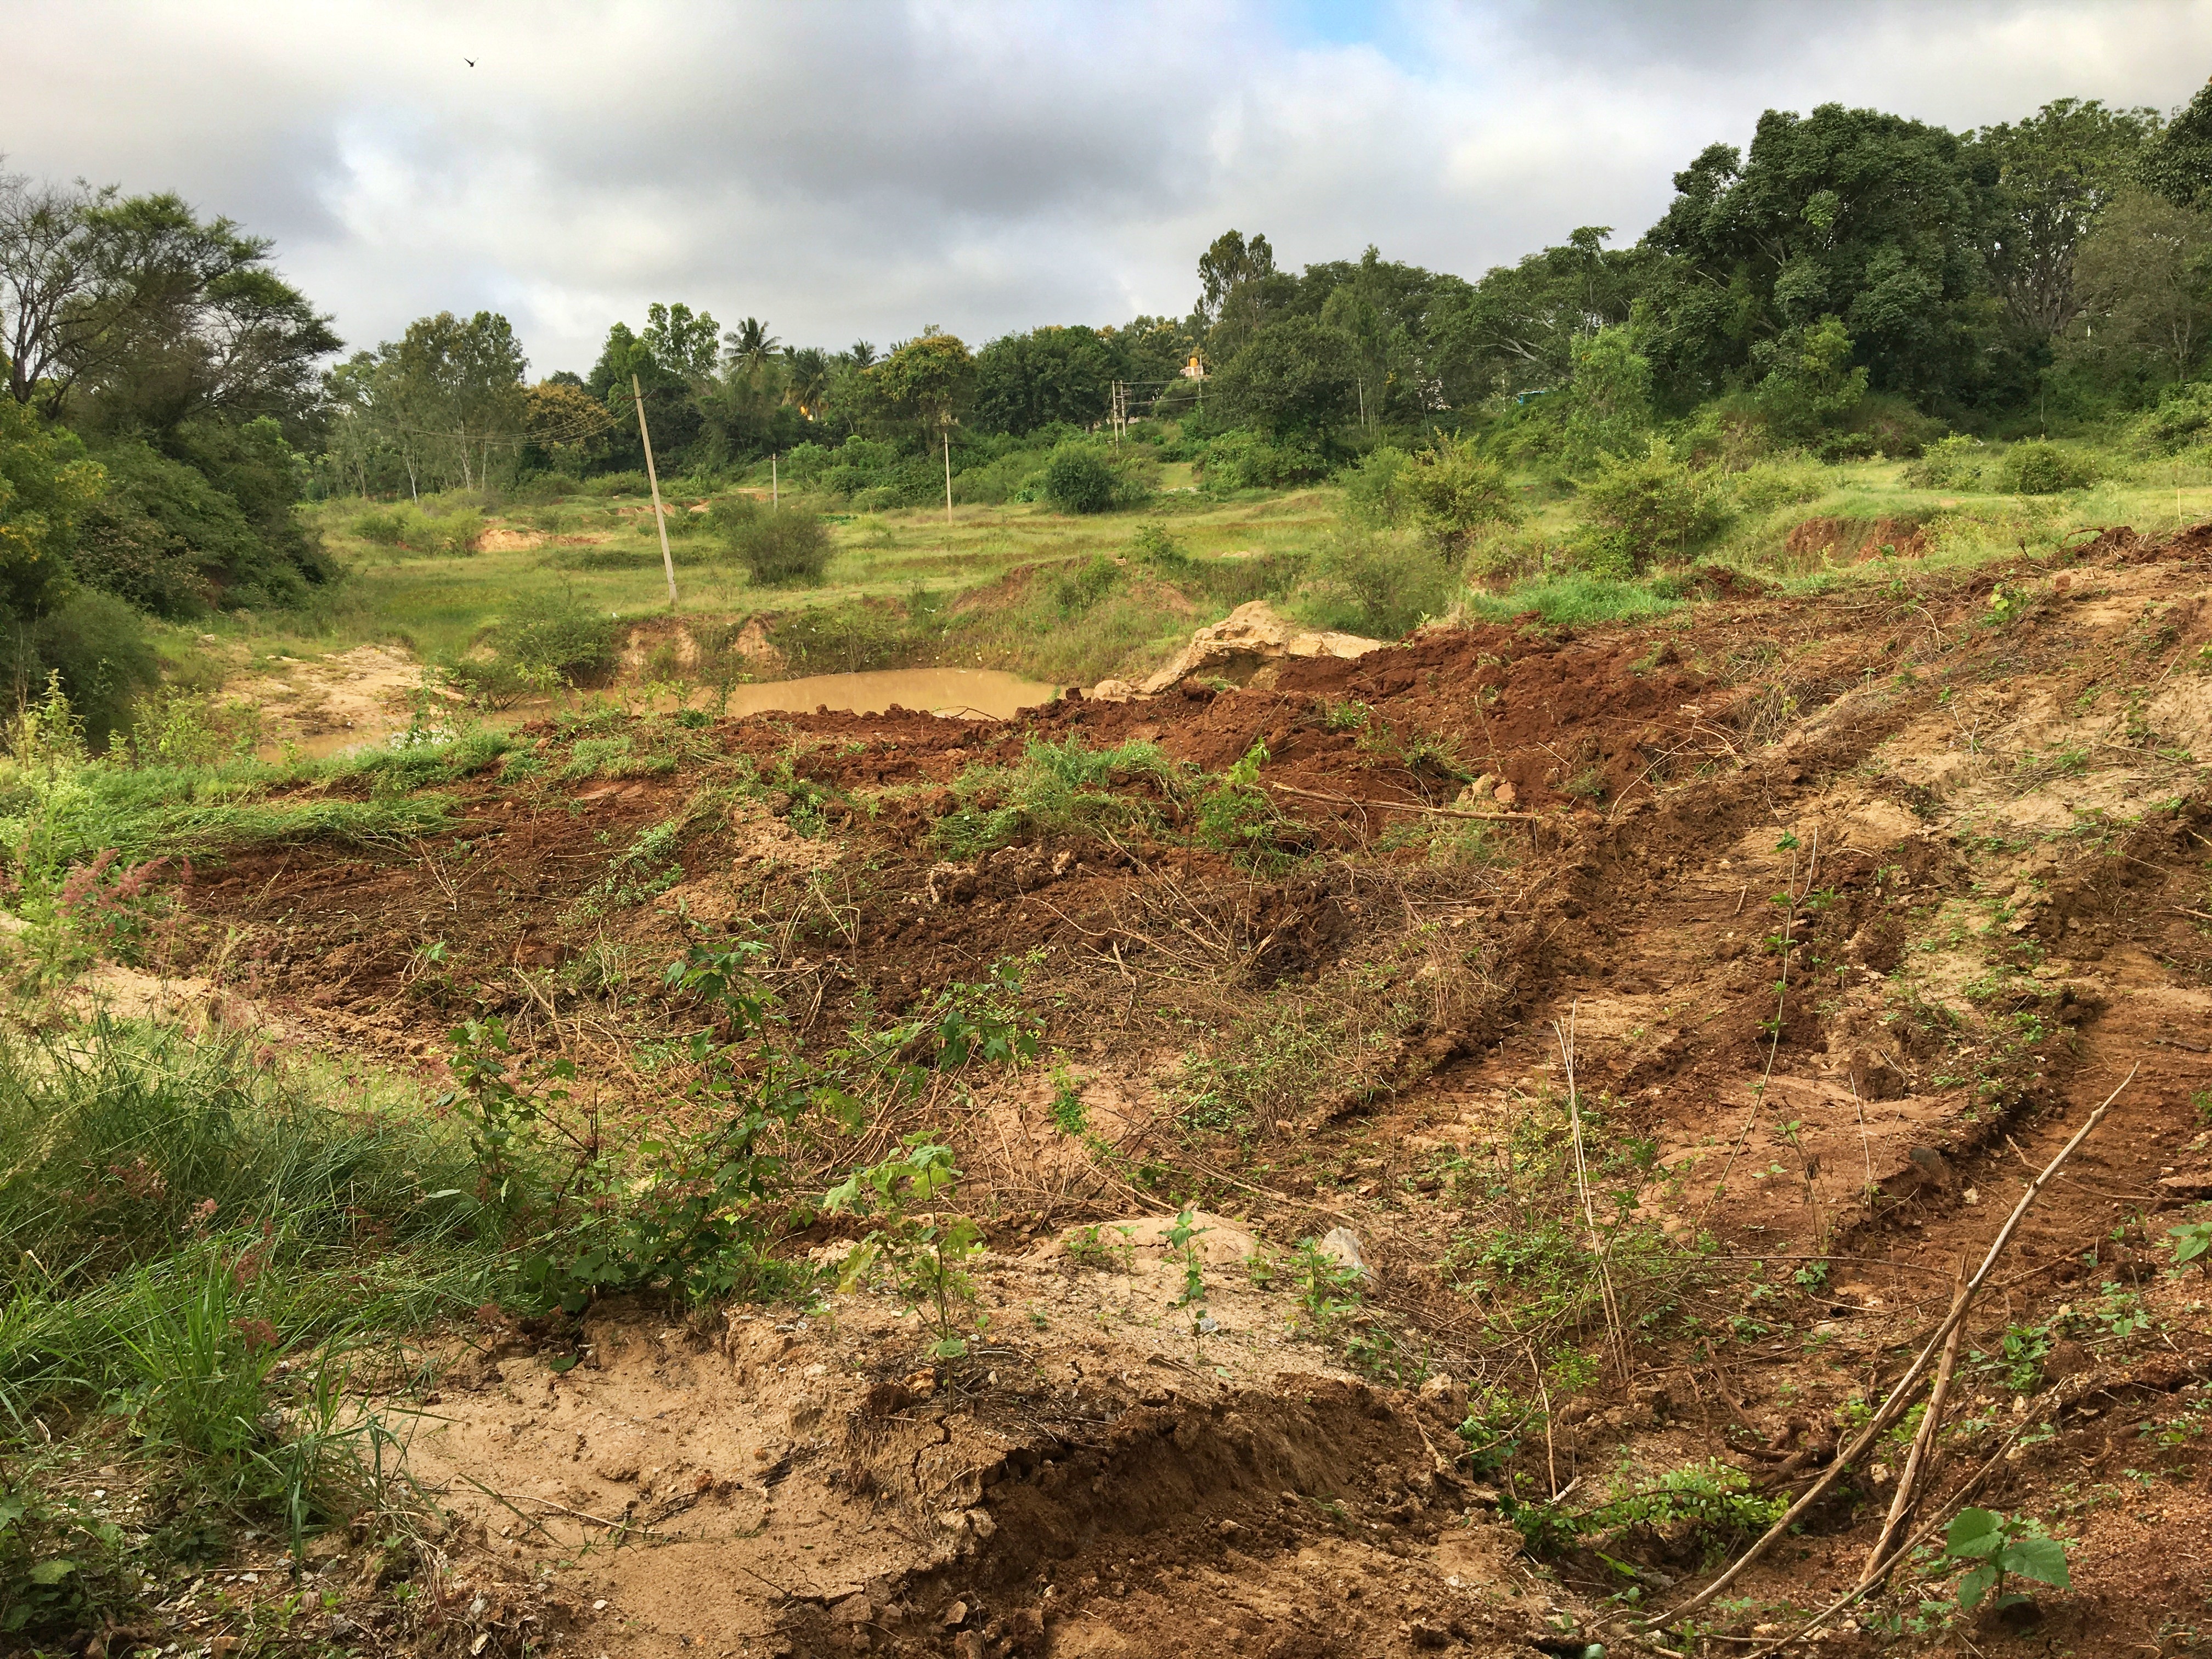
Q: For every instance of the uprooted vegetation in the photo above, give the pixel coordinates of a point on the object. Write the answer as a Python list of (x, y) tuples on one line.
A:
[(1436, 1150)]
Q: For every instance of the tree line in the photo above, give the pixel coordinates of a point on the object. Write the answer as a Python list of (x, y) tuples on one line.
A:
[(1850, 281)]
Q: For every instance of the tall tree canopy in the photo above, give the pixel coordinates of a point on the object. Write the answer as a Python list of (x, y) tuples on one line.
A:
[(1871, 218)]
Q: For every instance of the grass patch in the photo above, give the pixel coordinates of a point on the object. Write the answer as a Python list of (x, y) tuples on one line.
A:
[(1574, 600)]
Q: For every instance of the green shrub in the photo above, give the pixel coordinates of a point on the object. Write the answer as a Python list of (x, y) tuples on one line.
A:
[(785, 547), (1574, 599), (1373, 489), (1154, 546), (1648, 507), (852, 636), (2183, 416), (545, 640), (1079, 588), (1079, 478), (97, 645), (1055, 790), (2039, 468), (386, 526), (615, 484), (1247, 460), (1454, 492), (1373, 582), (1765, 485), (1951, 463)]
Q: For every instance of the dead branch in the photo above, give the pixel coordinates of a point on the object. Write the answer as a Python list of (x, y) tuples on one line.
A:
[(1908, 1384)]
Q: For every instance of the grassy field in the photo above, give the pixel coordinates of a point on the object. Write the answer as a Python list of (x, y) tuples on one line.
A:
[(1071, 599)]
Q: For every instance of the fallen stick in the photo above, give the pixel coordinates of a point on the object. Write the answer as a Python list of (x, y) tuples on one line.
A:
[(1402, 805), (1858, 1590), (1931, 1425), (1907, 1385)]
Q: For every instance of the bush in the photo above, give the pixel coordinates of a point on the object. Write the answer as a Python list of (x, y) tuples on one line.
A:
[(1765, 485), (1058, 790), (1374, 488), (1080, 479), (780, 548), (1951, 463), (1247, 460), (97, 647), (447, 535), (544, 640), (1636, 511), (2183, 416), (386, 526), (1374, 583), (1454, 492), (1153, 546), (2037, 468), (614, 484)]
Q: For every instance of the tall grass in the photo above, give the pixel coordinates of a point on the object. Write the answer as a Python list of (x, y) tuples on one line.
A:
[(200, 1239)]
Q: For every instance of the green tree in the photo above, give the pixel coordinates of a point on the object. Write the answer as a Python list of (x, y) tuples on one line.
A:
[(1297, 375), (680, 342), (750, 345), (928, 380), (1047, 376), (1239, 291), (2145, 278), (49, 277), (1849, 213), (1808, 381), (460, 387), (46, 483), (147, 316), (2178, 166), (1515, 331), (1607, 400), (2055, 172)]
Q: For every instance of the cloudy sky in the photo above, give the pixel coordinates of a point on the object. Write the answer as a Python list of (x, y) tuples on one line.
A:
[(857, 168)]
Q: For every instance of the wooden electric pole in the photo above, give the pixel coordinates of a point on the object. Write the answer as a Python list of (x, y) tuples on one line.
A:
[(948, 475), (667, 559)]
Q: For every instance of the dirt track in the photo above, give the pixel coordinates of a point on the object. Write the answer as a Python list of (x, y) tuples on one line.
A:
[(1983, 803)]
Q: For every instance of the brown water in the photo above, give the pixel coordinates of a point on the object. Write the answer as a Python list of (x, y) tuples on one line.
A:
[(972, 693)]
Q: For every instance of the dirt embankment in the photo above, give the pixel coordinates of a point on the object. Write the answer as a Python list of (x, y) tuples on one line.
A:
[(1845, 911)]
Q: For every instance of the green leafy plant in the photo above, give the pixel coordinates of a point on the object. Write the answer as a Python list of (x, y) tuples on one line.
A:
[(1235, 813), (1493, 1428), (789, 547), (926, 1250), (2037, 468), (2192, 1243), (1991, 1547), (56, 1560), (1063, 789), (1328, 1290), (1179, 1237)]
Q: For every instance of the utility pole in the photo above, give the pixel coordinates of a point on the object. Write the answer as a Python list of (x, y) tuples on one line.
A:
[(774, 497), (948, 477), (660, 518)]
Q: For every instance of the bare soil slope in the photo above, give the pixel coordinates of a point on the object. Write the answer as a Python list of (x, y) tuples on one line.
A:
[(1844, 910)]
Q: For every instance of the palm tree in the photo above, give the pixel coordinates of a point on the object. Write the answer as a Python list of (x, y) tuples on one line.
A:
[(750, 345), (806, 372)]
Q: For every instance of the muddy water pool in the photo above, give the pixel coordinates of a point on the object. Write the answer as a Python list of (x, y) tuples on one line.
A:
[(972, 693)]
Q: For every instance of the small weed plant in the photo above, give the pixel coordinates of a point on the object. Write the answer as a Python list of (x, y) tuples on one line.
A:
[(925, 1249), (1992, 1548)]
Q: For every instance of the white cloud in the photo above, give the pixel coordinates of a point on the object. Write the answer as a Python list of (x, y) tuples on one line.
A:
[(860, 169)]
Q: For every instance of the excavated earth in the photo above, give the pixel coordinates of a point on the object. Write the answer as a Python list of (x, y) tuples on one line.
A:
[(1844, 910)]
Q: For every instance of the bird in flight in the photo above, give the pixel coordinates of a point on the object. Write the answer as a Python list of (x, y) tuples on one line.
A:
[(471, 62)]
